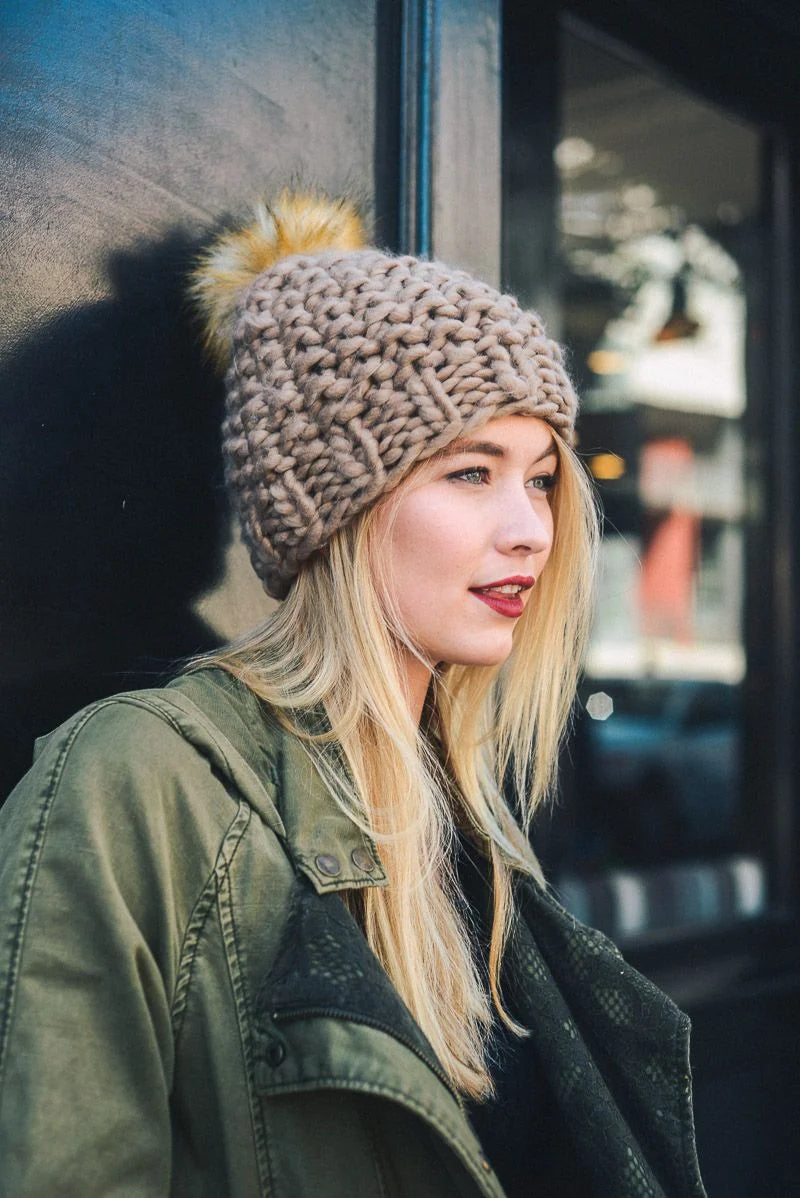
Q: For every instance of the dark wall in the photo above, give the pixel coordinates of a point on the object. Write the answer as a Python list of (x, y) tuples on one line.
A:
[(128, 133)]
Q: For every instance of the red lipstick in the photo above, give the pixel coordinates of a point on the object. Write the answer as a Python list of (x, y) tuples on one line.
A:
[(508, 601)]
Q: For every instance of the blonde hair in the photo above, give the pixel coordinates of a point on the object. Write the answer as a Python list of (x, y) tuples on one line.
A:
[(410, 787)]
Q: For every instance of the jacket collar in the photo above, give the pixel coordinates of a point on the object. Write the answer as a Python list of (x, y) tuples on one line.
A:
[(321, 839), (324, 842)]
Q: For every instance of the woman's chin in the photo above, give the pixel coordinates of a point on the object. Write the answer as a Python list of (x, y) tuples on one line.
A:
[(481, 655)]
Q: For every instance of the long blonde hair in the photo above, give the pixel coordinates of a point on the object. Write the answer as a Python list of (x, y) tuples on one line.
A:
[(411, 788)]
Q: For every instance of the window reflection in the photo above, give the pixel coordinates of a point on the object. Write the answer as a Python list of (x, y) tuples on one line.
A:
[(660, 236)]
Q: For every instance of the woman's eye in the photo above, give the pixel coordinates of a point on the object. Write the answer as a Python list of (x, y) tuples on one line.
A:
[(473, 474), (543, 482)]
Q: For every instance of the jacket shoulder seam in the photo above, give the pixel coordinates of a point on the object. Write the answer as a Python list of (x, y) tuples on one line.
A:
[(165, 707)]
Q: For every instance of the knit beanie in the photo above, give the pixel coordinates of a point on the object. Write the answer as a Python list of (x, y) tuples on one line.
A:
[(346, 365)]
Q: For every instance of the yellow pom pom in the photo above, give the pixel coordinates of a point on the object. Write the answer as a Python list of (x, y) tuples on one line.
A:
[(295, 223)]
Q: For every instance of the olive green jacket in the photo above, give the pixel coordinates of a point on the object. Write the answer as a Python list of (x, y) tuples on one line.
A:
[(187, 1007)]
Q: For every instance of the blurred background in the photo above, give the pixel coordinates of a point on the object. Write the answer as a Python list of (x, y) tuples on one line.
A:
[(627, 168)]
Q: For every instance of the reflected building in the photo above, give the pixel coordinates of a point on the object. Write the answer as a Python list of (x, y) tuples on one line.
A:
[(660, 226)]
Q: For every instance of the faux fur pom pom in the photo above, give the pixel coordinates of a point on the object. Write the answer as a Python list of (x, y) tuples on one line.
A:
[(295, 223)]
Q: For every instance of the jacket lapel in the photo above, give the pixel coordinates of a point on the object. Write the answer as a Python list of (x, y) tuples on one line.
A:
[(324, 843)]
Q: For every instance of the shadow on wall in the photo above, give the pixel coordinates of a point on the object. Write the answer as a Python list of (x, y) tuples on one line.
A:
[(111, 484)]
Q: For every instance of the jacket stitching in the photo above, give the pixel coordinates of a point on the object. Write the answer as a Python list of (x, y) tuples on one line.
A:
[(18, 930), (218, 882), (198, 918), (188, 953), (165, 709), (201, 908), (233, 960), (165, 714)]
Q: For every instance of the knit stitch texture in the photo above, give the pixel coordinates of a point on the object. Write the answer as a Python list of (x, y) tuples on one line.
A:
[(350, 367)]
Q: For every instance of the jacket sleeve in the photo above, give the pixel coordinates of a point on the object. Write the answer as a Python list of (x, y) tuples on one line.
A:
[(99, 867)]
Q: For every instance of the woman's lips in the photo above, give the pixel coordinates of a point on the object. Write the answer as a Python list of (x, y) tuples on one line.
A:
[(505, 595), (506, 605)]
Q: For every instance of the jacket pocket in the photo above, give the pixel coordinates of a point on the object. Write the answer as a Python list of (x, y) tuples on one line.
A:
[(337, 1051)]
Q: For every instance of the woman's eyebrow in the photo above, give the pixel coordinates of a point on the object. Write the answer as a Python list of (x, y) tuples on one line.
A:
[(488, 447)]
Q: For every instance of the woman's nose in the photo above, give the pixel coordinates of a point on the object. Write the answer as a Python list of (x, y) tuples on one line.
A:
[(525, 524)]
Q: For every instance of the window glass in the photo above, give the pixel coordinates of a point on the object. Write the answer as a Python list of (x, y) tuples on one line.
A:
[(661, 249)]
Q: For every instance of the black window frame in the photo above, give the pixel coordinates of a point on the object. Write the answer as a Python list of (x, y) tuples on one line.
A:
[(687, 45)]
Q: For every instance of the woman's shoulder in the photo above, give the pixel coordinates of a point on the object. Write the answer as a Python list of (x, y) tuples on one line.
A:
[(148, 763), (133, 809)]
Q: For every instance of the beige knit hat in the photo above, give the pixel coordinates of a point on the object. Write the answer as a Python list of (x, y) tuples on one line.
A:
[(347, 365)]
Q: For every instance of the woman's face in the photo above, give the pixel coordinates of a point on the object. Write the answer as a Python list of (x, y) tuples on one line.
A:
[(461, 551)]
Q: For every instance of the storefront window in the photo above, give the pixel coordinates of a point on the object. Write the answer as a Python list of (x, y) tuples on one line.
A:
[(661, 242)]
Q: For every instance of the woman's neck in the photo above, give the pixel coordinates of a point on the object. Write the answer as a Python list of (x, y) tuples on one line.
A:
[(415, 676)]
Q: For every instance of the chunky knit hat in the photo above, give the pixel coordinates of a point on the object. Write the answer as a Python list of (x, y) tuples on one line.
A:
[(347, 365)]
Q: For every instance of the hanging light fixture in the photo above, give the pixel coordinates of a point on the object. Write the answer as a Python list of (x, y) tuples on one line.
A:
[(680, 325)]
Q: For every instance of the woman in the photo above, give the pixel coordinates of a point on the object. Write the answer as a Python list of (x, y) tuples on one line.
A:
[(275, 929)]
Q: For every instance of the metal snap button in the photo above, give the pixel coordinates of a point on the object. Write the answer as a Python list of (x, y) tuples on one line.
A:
[(363, 860), (275, 1053), (326, 863)]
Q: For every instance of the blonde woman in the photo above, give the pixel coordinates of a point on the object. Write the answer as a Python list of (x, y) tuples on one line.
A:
[(278, 928)]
